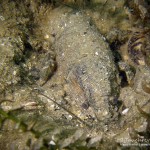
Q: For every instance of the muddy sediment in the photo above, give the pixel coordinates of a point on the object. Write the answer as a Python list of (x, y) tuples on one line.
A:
[(64, 81)]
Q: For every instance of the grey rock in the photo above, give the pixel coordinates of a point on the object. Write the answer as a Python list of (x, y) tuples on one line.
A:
[(85, 62)]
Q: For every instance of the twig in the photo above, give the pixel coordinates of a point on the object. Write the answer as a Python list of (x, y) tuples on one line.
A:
[(85, 123)]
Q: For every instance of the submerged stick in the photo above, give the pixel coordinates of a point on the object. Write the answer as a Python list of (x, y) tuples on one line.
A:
[(75, 116)]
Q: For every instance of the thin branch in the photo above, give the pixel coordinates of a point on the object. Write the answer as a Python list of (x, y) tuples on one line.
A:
[(85, 123)]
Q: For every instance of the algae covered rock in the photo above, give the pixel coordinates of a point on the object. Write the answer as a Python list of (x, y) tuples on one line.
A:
[(10, 52), (85, 64)]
